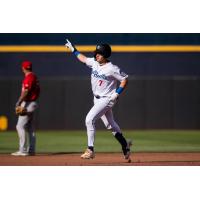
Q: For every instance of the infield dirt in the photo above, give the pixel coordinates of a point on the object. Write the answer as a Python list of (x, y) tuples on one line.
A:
[(103, 159)]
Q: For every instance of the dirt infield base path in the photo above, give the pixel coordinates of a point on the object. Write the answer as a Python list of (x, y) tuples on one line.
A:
[(103, 159)]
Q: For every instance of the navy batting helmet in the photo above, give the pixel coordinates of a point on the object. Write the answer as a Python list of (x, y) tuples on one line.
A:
[(103, 49)]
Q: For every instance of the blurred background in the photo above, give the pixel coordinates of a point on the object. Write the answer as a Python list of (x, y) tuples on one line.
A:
[(163, 69)]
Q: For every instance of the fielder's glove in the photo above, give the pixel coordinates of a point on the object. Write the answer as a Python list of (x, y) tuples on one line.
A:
[(19, 110), (70, 46)]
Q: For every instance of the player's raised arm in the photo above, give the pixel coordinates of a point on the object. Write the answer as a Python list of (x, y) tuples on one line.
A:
[(73, 49)]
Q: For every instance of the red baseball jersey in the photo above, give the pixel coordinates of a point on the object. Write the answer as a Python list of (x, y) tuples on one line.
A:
[(31, 83)]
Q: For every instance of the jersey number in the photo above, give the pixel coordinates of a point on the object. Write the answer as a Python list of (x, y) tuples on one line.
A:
[(100, 82)]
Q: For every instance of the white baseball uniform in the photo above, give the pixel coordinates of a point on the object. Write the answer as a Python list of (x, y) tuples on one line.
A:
[(104, 83)]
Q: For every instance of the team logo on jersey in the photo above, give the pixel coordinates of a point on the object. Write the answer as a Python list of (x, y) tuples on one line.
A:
[(97, 75)]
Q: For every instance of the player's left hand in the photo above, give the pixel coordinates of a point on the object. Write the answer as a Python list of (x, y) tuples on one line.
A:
[(113, 98)]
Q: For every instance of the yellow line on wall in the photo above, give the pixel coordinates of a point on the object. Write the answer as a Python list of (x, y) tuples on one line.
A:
[(90, 48), (156, 48)]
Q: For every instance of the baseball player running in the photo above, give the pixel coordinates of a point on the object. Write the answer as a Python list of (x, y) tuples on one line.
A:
[(25, 108), (104, 78)]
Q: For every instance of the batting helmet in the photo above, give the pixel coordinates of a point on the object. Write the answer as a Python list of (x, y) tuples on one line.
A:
[(27, 65), (104, 50)]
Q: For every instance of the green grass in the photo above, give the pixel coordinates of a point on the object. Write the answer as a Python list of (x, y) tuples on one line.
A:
[(76, 141)]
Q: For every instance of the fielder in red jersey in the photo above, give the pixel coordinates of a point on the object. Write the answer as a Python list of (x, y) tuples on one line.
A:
[(31, 84), (29, 94)]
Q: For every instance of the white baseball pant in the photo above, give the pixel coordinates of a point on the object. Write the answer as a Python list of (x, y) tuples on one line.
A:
[(24, 126), (102, 109)]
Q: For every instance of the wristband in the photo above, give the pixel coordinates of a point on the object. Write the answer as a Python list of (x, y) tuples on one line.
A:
[(119, 90), (76, 53)]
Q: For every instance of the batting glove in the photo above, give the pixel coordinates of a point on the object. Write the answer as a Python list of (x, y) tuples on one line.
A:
[(113, 99), (70, 46), (114, 96)]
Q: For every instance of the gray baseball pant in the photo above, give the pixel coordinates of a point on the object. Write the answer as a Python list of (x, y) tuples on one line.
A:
[(25, 126)]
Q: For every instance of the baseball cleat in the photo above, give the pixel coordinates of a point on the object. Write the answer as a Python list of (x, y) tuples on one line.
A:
[(19, 153), (128, 152), (88, 154)]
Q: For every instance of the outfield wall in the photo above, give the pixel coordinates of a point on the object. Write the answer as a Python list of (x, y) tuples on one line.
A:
[(52, 64), (148, 103), (94, 38)]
